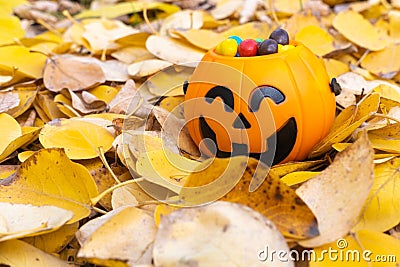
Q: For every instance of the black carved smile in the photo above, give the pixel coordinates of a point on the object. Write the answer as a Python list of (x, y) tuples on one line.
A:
[(284, 138)]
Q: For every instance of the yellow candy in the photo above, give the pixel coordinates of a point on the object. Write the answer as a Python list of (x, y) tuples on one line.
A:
[(283, 48), (227, 47)]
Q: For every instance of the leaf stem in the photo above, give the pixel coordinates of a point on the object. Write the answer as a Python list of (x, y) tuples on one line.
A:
[(96, 199), (104, 160)]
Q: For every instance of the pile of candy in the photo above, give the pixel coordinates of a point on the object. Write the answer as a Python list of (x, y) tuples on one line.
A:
[(278, 41)]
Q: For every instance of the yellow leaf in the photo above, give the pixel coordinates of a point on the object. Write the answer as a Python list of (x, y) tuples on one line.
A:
[(364, 249), (173, 104), (386, 139), (337, 194), (125, 235), (276, 201), (161, 211), (55, 241), (173, 50), (7, 170), (335, 67), (382, 208), (21, 220), (49, 178), (80, 139), (165, 168), (219, 234), (28, 64), (394, 25), (388, 92), (224, 9), (289, 167), (361, 32), (251, 30), (116, 10), (384, 63), (10, 29), (104, 92), (169, 81), (182, 20), (298, 21), (295, 178), (204, 39), (316, 39), (129, 195), (347, 122), (288, 7), (26, 96), (28, 135), (19, 253), (147, 67), (9, 131), (8, 6)]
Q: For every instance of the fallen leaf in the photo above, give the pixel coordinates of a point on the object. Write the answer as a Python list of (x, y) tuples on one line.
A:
[(298, 177), (147, 67), (132, 54), (384, 63), (80, 139), (316, 39), (49, 177), (174, 51), (9, 131), (55, 241), (361, 31), (386, 139), (123, 235), (20, 220), (8, 100), (72, 72), (182, 20), (124, 98), (29, 134), (251, 30), (362, 249), (201, 38), (226, 9), (337, 194), (275, 200), (381, 211), (104, 92), (19, 253), (218, 234), (129, 195), (346, 123), (335, 68)]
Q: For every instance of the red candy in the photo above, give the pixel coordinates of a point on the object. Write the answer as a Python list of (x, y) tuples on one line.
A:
[(248, 48)]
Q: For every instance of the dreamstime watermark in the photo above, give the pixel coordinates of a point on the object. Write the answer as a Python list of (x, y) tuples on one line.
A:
[(338, 254)]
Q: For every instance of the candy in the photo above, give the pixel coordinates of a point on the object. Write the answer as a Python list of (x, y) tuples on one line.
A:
[(227, 47), (248, 48), (283, 48), (236, 38), (280, 36), (267, 47)]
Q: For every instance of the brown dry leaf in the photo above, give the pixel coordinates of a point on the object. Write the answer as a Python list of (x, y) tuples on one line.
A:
[(174, 51), (384, 63), (123, 100), (49, 177), (219, 234), (337, 194), (21, 220), (19, 253), (361, 32), (276, 201), (346, 123), (122, 235), (72, 72), (103, 180)]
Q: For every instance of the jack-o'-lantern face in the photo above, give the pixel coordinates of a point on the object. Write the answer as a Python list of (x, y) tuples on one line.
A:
[(274, 107)]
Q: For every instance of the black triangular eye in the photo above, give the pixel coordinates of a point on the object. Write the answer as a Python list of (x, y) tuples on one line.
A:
[(258, 95), (224, 93)]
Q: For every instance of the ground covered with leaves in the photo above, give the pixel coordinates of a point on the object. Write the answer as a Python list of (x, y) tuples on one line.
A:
[(81, 183)]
